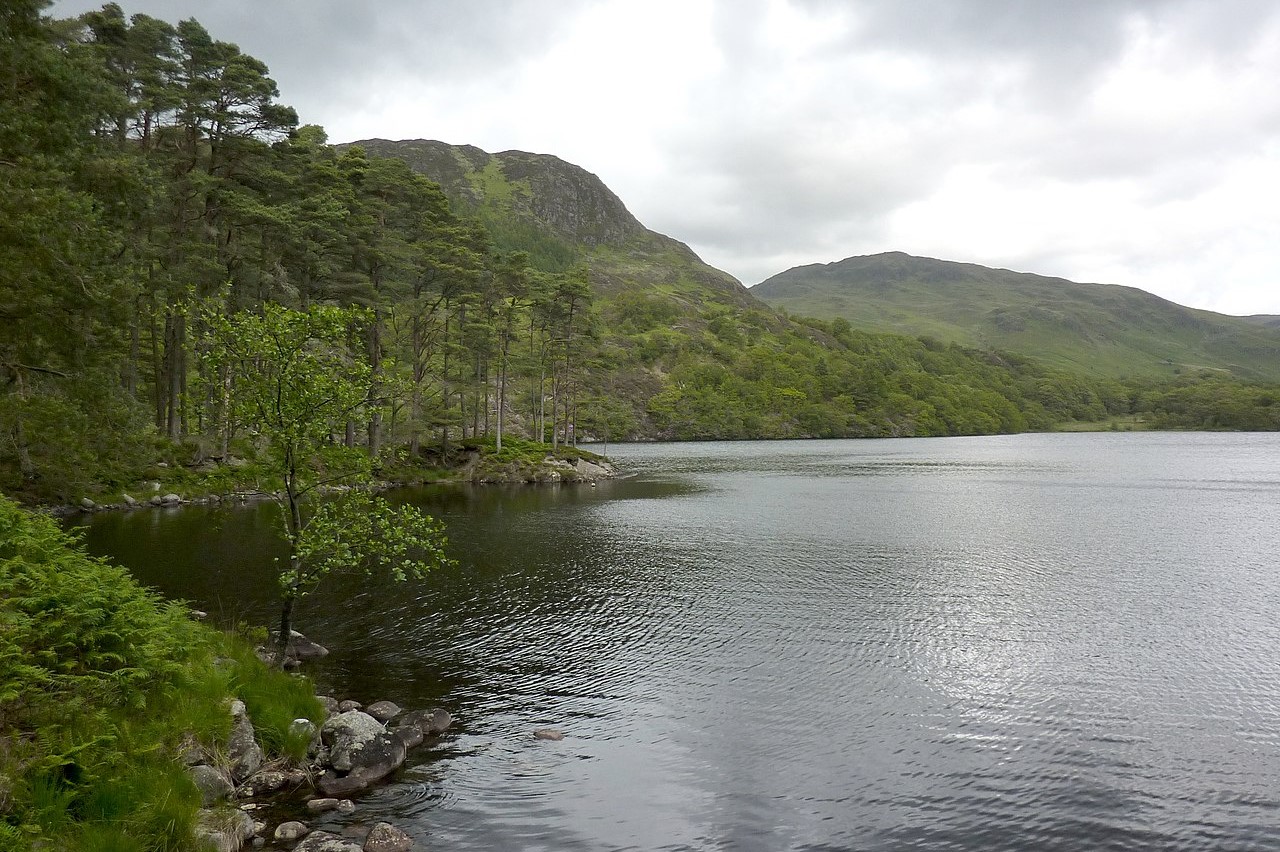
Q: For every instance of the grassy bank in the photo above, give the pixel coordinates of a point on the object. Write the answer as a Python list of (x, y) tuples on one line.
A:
[(102, 684)]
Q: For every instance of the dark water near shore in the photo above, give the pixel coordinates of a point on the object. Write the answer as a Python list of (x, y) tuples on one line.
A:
[(1027, 642)]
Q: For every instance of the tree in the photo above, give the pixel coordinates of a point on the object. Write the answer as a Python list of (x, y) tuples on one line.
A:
[(294, 383)]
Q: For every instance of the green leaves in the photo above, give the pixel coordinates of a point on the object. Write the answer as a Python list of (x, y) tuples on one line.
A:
[(360, 532), (290, 378)]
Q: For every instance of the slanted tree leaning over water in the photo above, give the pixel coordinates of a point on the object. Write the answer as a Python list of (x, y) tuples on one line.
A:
[(289, 378)]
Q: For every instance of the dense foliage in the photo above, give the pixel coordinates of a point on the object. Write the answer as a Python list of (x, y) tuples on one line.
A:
[(101, 685), (151, 187)]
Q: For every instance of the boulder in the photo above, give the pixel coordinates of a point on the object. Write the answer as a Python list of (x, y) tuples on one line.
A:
[(288, 832), (171, 499), (212, 783), (300, 729), (373, 760), (332, 784), (350, 726), (302, 648), (347, 705), (222, 830), (590, 470), (385, 837), (87, 504), (383, 711), (330, 705), (410, 735), (265, 782), (129, 501), (323, 841), (320, 806), (190, 752), (548, 734), (433, 721), (243, 752), (361, 751)]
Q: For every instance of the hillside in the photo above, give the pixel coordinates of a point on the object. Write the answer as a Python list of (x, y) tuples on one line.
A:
[(1096, 329), (561, 214), (485, 298)]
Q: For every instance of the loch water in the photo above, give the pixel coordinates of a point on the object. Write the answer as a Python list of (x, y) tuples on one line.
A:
[(998, 643)]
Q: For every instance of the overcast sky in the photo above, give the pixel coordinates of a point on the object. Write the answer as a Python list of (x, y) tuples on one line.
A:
[(1123, 141)]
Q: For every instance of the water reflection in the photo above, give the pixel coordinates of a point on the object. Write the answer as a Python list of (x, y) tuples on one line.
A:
[(1021, 642)]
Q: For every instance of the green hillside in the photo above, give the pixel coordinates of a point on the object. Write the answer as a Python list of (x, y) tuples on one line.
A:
[(487, 298), (561, 215), (1095, 329)]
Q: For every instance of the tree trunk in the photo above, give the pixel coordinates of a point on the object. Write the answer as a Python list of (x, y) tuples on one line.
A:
[(25, 465), (173, 376), (375, 385), (286, 628)]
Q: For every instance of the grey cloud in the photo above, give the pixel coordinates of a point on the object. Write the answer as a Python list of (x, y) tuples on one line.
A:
[(759, 171), (324, 53)]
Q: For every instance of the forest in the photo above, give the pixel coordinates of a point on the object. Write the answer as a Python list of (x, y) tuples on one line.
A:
[(155, 190)]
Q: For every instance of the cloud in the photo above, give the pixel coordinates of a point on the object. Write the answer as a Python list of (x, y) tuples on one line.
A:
[(1129, 141)]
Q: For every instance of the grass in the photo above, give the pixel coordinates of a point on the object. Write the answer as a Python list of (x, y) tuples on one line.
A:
[(101, 685), (1094, 329)]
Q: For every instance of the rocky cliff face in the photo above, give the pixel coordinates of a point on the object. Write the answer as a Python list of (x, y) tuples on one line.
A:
[(567, 203), (568, 200)]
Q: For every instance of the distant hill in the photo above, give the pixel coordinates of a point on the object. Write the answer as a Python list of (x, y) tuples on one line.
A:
[(1268, 320), (1096, 329), (562, 214)]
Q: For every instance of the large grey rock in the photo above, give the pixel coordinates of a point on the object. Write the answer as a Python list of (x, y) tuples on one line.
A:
[(290, 831), (323, 841), (243, 751), (361, 751), (300, 729), (266, 782), (333, 784), (349, 730), (212, 783), (385, 837), (302, 648), (374, 760), (330, 705), (410, 735), (433, 721), (383, 711), (590, 470)]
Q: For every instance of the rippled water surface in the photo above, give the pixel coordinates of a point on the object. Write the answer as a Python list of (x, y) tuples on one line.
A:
[(1027, 642)]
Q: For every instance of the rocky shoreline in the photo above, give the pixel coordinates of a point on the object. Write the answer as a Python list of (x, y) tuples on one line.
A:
[(355, 748), (551, 471)]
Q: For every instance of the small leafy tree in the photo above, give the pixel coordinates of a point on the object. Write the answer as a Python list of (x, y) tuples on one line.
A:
[(288, 377)]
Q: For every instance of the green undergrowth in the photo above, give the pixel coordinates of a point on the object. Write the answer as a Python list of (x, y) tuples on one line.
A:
[(102, 683), (521, 459)]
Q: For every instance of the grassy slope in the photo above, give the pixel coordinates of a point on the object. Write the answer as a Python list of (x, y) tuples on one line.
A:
[(101, 685), (1097, 329), (516, 194)]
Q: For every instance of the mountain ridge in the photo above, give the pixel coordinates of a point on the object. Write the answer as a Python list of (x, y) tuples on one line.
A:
[(515, 192), (1099, 329)]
